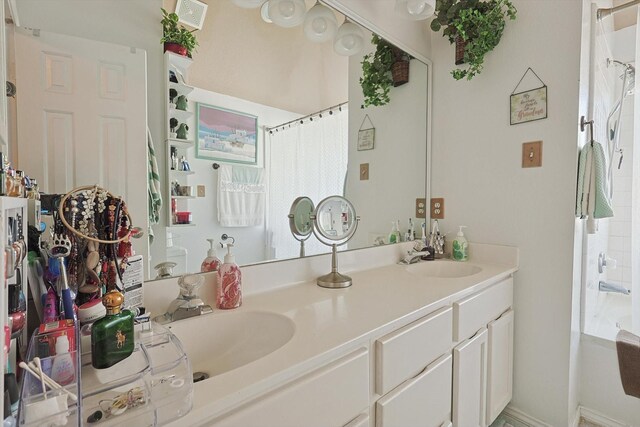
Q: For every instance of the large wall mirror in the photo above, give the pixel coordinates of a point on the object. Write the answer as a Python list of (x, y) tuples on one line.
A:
[(306, 100)]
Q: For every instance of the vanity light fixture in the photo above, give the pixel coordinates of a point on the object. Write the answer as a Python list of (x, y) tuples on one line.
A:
[(320, 24), (415, 10), (349, 40), (287, 13), (248, 4)]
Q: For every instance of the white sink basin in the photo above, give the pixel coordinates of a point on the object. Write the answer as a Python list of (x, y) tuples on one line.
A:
[(443, 269), (217, 343)]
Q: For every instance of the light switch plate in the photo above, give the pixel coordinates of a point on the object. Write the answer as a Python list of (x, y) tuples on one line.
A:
[(421, 208), (437, 208), (532, 154), (201, 190), (364, 172)]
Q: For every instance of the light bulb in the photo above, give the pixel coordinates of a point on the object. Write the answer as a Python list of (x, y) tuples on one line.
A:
[(286, 8), (349, 40), (416, 7), (320, 24), (286, 13)]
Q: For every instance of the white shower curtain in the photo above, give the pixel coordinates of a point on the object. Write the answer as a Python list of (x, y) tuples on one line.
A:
[(303, 160)]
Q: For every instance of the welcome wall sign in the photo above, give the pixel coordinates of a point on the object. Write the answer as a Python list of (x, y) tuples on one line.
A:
[(528, 105)]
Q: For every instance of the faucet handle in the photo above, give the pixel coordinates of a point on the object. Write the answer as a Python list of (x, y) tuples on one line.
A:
[(189, 284)]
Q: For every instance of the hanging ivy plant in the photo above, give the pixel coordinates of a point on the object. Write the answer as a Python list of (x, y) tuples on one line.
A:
[(479, 25), (377, 72)]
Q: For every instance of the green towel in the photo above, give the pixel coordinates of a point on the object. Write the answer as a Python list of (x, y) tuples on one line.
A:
[(153, 188), (592, 199)]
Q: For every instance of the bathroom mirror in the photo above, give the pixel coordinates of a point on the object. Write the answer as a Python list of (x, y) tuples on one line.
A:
[(246, 65)]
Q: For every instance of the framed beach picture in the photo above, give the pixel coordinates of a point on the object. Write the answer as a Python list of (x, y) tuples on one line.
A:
[(226, 135)]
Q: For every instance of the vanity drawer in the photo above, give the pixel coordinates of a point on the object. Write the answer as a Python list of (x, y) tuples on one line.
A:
[(330, 396), (477, 310), (404, 353)]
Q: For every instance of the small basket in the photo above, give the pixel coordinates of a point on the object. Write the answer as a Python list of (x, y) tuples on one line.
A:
[(400, 73), (461, 45)]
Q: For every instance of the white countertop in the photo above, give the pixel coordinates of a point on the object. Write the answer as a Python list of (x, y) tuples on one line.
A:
[(331, 322)]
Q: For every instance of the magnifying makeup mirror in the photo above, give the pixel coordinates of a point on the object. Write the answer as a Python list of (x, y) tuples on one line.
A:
[(335, 222), (300, 221)]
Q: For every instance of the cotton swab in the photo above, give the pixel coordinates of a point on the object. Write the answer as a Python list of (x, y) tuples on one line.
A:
[(51, 383), (33, 370), (44, 388)]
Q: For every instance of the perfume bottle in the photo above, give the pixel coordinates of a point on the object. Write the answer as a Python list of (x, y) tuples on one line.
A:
[(112, 336)]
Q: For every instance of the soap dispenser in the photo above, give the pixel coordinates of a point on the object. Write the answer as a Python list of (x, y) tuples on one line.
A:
[(229, 289), (460, 246), (211, 262)]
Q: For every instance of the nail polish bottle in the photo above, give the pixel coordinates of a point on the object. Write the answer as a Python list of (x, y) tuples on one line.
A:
[(112, 336)]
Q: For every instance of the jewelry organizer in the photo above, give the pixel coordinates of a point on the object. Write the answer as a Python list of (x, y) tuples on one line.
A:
[(152, 387)]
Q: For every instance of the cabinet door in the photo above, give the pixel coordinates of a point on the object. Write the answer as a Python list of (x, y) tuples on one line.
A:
[(361, 421), (329, 396), (421, 401), (470, 381), (500, 367)]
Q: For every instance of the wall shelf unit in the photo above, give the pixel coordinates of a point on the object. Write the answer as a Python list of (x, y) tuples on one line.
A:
[(176, 68), (181, 143)]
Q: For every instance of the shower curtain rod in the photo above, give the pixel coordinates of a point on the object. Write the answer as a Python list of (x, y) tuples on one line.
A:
[(303, 118), (603, 13)]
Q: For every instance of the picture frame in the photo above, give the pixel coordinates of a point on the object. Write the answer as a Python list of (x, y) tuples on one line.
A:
[(528, 106), (366, 139), (226, 135)]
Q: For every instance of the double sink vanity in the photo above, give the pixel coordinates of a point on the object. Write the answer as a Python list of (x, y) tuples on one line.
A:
[(428, 343)]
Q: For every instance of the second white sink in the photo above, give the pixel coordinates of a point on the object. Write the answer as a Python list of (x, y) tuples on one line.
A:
[(217, 343), (443, 269)]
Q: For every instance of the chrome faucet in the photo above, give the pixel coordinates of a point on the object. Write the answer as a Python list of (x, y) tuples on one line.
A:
[(188, 304)]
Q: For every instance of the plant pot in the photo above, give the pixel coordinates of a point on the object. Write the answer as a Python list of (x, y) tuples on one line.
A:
[(461, 44), (175, 48), (400, 73)]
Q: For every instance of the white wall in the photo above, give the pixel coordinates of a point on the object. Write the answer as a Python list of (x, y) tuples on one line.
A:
[(477, 169), (250, 241), (397, 164)]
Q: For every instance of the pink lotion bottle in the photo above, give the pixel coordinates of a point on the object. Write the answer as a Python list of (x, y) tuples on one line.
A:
[(229, 289), (211, 262)]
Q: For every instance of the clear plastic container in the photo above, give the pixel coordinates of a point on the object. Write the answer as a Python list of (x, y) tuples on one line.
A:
[(55, 407), (152, 387)]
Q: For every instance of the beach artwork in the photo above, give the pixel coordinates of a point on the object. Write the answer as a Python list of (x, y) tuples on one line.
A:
[(226, 135)]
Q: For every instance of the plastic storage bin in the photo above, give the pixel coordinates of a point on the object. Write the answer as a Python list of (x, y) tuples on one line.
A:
[(152, 387)]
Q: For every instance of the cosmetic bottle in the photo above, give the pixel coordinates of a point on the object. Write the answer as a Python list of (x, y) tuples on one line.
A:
[(229, 289), (112, 336), (211, 262), (460, 246), (410, 234), (62, 369)]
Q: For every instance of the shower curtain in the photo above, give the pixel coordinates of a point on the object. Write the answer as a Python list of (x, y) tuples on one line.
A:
[(310, 160)]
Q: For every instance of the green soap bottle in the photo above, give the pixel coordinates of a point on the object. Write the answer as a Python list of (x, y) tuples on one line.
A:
[(112, 336)]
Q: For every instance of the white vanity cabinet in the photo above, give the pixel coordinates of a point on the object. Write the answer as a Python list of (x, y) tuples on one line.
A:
[(333, 395), (413, 373), (483, 359)]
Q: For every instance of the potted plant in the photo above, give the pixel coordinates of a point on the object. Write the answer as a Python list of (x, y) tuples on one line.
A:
[(176, 38), (475, 27), (386, 67)]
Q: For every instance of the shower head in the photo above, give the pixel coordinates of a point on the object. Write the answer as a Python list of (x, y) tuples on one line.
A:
[(628, 76)]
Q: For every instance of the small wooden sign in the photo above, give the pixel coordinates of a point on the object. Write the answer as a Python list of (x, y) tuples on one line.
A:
[(529, 105), (366, 137)]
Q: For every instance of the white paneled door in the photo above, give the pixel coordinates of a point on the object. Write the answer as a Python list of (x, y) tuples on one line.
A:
[(82, 117)]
